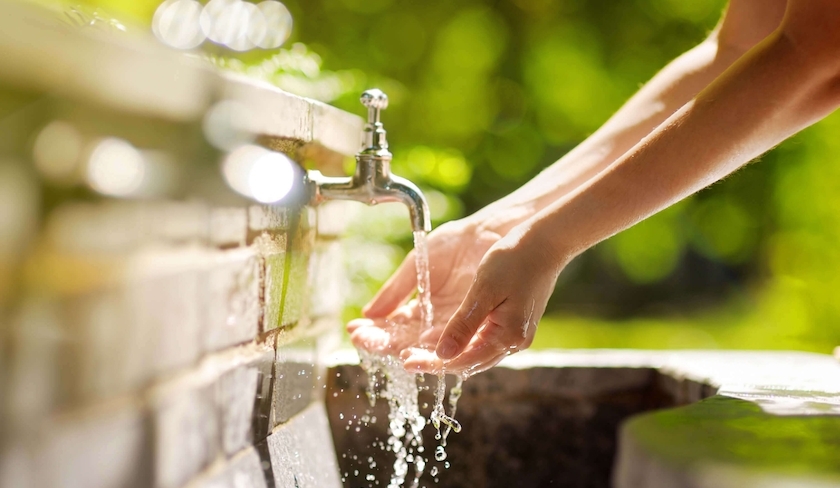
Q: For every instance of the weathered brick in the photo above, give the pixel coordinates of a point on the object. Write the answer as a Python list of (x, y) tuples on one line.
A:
[(101, 448), (92, 228), (166, 306), (228, 226), (177, 222), (231, 299), (274, 272), (302, 452), (265, 218), (294, 379), (242, 471), (296, 296), (186, 430), (236, 391), (261, 421), (110, 351), (31, 388), (327, 280)]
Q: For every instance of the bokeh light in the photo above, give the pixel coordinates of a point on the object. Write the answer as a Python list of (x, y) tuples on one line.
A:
[(176, 23), (271, 178), (116, 168), (258, 173), (236, 24), (57, 152)]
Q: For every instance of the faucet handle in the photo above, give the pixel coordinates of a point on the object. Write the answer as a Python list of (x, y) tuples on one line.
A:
[(375, 137), (375, 100)]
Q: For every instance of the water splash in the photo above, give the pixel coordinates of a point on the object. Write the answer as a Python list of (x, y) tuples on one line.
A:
[(390, 381)]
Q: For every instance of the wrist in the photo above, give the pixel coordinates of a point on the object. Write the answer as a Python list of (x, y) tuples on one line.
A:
[(537, 238), (500, 217)]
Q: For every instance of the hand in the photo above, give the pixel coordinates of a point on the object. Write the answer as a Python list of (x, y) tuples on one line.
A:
[(500, 312), (391, 326)]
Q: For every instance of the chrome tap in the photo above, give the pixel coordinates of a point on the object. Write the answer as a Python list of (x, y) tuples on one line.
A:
[(373, 182)]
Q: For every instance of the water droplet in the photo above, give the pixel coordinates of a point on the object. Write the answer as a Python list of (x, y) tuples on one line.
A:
[(440, 453)]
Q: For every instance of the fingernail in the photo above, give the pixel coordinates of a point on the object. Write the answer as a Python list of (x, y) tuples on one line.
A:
[(446, 348)]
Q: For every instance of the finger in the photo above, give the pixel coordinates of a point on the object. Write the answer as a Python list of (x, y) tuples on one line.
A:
[(419, 360), (466, 320), (482, 353), (508, 329), (395, 291), (356, 323), (372, 338)]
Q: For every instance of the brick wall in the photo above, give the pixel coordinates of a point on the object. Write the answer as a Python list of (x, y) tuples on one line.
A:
[(172, 344)]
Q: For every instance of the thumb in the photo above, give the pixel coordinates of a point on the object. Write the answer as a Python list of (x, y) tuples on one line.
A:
[(464, 323), (394, 292)]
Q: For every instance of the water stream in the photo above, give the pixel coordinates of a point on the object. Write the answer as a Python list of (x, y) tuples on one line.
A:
[(388, 379)]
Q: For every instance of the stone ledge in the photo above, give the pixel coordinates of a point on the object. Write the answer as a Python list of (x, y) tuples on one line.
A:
[(134, 73), (748, 419)]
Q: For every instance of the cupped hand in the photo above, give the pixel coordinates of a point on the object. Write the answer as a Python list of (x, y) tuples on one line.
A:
[(391, 325), (500, 311)]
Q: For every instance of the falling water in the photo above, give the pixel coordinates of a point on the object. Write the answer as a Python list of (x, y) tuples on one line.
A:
[(405, 422), (424, 299), (424, 289), (388, 379)]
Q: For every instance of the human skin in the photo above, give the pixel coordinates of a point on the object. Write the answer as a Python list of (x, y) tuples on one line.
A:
[(453, 270), (785, 83)]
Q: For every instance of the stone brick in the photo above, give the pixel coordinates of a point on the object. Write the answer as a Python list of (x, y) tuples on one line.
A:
[(31, 384), (335, 129), (327, 280), (296, 295), (302, 453), (294, 380), (242, 471), (236, 392), (228, 226), (110, 353), (265, 218), (169, 309), (102, 448), (178, 222), (186, 430), (261, 421), (274, 272), (93, 228), (231, 299)]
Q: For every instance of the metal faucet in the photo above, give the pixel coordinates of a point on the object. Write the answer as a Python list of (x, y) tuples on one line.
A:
[(373, 182)]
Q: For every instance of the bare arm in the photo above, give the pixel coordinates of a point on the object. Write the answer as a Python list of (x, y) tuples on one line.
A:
[(787, 82), (745, 23)]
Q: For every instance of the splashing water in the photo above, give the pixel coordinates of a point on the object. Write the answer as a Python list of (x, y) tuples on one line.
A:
[(405, 423), (387, 376), (424, 298)]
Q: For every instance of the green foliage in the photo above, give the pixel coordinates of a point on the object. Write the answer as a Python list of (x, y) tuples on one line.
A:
[(487, 93)]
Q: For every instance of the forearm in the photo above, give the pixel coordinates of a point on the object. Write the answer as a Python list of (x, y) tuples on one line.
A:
[(771, 93), (666, 92)]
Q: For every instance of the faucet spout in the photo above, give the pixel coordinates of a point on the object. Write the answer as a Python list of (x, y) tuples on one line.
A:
[(373, 183)]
